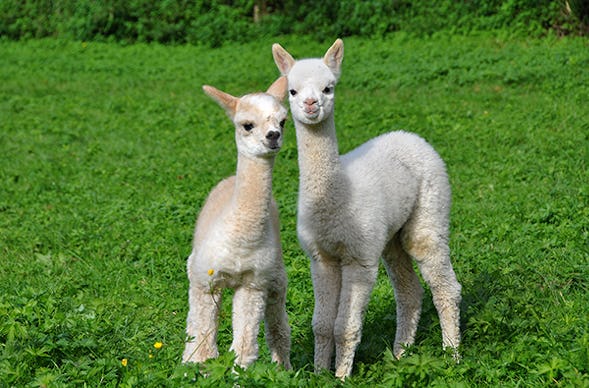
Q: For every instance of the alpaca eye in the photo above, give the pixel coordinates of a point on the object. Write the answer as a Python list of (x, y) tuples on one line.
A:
[(327, 90), (248, 126), (292, 92), (282, 123)]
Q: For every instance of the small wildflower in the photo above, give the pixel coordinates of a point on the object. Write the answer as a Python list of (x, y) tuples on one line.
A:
[(158, 345), (124, 362), (150, 355), (211, 272)]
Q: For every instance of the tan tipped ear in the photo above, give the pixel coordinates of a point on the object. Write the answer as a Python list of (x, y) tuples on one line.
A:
[(282, 58), (334, 56), (227, 101), (278, 88)]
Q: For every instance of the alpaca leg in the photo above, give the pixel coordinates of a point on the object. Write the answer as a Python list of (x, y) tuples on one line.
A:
[(408, 295), (357, 283), (433, 258), (248, 310), (202, 324), (277, 328), (326, 276)]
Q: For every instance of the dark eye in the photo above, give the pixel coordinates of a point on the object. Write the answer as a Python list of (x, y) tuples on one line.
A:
[(282, 123), (248, 126), (327, 90), (292, 92)]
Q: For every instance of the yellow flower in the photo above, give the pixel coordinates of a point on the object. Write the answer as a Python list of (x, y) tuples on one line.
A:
[(124, 362), (211, 272), (158, 345)]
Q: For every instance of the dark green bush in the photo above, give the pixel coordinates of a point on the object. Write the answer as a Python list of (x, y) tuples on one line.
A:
[(212, 22), (579, 10)]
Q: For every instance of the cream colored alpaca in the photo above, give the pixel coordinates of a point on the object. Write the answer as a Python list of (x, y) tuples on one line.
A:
[(237, 241), (388, 198)]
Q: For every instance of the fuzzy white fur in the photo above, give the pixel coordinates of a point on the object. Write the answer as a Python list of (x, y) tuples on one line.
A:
[(388, 198), (237, 242)]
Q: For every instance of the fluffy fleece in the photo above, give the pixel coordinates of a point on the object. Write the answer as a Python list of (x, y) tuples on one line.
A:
[(389, 198), (237, 240)]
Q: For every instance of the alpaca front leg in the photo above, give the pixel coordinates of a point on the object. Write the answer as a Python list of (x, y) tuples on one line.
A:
[(357, 283), (202, 324), (277, 328), (326, 287), (248, 310)]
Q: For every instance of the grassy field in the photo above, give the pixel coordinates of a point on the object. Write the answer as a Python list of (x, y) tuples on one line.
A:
[(107, 153)]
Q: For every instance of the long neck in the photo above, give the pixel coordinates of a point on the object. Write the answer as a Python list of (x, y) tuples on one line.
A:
[(253, 193), (319, 162)]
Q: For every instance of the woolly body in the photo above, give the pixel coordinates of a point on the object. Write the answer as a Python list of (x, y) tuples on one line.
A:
[(385, 170), (388, 198), (237, 240)]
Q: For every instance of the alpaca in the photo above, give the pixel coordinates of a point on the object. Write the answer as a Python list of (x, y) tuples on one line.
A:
[(388, 198), (237, 240)]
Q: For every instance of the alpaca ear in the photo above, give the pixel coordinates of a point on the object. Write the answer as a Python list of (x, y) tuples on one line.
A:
[(278, 88), (334, 56), (227, 101), (282, 58)]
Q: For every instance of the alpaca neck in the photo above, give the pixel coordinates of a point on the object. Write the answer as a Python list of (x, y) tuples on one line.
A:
[(320, 169), (253, 193)]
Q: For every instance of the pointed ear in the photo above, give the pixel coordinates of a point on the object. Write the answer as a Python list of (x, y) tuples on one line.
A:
[(334, 56), (278, 88), (282, 58), (227, 101)]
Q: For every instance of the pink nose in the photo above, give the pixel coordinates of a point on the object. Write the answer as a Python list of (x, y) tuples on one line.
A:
[(310, 101)]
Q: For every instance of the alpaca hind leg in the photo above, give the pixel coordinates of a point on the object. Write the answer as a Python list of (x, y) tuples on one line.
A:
[(433, 258), (248, 310), (408, 295), (202, 325), (357, 283), (276, 323), (326, 275)]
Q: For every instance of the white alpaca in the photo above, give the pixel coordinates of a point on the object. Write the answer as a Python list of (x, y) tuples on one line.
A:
[(388, 198), (237, 241)]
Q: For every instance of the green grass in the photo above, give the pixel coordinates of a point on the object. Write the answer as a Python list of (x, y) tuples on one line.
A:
[(107, 153)]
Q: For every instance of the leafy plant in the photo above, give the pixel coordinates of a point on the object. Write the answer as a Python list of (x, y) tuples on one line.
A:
[(214, 22)]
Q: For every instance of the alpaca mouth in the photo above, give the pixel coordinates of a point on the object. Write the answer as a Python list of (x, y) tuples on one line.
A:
[(273, 145), (312, 113), (311, 110)]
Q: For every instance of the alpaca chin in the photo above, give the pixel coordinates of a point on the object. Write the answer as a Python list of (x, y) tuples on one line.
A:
[(310, 118)]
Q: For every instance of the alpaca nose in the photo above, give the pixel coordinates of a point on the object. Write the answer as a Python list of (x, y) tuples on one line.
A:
[(273, 135), (310, 101)]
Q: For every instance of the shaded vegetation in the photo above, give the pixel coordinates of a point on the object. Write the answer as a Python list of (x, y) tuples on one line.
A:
[(214, 22)]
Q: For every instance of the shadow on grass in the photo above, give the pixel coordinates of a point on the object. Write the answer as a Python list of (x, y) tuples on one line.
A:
[(379, 329)]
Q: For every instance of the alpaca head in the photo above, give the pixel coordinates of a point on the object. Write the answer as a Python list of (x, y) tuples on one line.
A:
[(311, 82), (258, 118)]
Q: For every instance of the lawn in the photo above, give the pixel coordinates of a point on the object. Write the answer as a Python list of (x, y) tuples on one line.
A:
[(108, 152)]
